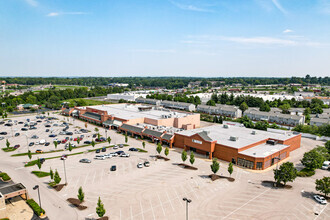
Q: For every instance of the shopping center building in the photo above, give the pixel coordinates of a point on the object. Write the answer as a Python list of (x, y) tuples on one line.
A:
[(253, 149)]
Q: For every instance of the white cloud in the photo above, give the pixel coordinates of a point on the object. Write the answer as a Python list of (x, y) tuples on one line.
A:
[(287, 31), (190, 7), (33, 3), (260, 40), (53, 14), (279, 6)]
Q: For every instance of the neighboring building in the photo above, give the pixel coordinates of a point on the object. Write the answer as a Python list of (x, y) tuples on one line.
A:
[(224, 110), (304, 94), (325, 100), (253, 149), (115, 115), (274, 117), (148, 101), (179, 105), (22, 107), (320, 121), (125, 96), (118, 84), (67, 111), (296, 111)]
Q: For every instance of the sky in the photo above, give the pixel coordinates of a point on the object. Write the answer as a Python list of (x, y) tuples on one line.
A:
[(193, 38)]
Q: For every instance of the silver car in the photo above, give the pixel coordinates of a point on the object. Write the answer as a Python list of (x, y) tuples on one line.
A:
[(320, 199), (85, 161)]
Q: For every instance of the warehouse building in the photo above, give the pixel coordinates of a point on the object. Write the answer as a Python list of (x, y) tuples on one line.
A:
[(253, 149)]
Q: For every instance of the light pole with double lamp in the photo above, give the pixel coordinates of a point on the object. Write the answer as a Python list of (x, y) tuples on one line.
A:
[(36, 187), (187, 202), (64, 159)]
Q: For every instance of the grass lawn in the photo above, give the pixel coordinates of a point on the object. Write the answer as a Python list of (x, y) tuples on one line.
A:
[(5, 177), (40, 174), (9, 149), (46, 152), (87, 101), (142, 150)]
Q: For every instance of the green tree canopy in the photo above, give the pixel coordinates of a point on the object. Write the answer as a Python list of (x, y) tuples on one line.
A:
[(323, 185), (184, 155), (100, 211), (286, 173), (312, 160), (215, 166)]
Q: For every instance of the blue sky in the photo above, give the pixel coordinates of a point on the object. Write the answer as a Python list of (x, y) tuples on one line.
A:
[(218, 38)]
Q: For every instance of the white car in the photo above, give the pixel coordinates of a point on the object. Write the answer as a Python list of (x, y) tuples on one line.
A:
[(124, 155), (115, 147), (320, 199), (325, 165), (37, 143), (99, 157), (107, 156), (139, 165)]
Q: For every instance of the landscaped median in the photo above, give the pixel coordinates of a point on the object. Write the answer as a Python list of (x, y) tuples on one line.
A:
[(34, 162), (9, 149), (4, 177), (46, 152), (41, 174), (35, 207), (92, 150)]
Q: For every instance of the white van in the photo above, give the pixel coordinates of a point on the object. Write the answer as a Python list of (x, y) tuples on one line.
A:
[(325, 165), (99, 157), (42, 142)]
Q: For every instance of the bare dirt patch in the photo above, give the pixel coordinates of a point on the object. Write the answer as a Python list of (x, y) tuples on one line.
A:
[(215, 177), (163, 158), (75, 202), (59, 187), (269, 183), (186, 166)]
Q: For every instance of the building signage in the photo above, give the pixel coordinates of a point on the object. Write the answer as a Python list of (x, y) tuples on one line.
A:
[(196, 141)]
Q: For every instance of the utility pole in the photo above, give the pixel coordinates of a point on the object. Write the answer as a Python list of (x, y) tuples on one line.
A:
[(187, 202)]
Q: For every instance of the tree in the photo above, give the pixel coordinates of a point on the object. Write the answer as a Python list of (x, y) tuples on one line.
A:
[(167, 151), (323, 185), (327, 146), (57, 178), (100, 211), (215, 166), (81, 194), (243, 107), (7, 143), (285, 108), (143, 144), (264, 107), (29, 154), (96, 130), (93, 143), (159, 148), (230, 168), (312, 160), (98, 136), (39, 163), (109, 140), (286, 173), (78, 140), (210, 102), (126, 138), (70, 147), (184, 155), (55, 144), (51, 173), (86, 125), (192, 158)]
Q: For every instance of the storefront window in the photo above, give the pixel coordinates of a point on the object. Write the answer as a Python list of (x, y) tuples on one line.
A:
[(245, 163), (259, 165)]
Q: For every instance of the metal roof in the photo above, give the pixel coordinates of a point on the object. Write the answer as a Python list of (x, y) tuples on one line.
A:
[(131, 128), (152, 133)]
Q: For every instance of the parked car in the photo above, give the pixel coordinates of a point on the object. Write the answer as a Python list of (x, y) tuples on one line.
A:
[(115, 147), (67, 138), (47, 126), (97, 151), (85, 161), (94, 135), (42, 160), (47, 130), (24, 129), (52, 135), (64, 157), (104, 149), (62, 133), (124, 155), (3, 133), (121, 145), (33, 128), (120, 152), (47, 144), (87, 142), (34, 137), (326, 165), (31, 144), (17, 134), (107, 156), (99, 157), (67, 146), (39, 121), (133, 149), (17, 146), (9, 124), (113, 154), (139, 165), (1, 138), (146, 163), (37, 143), (320, 199), (69, 133), (39, 151), (64, 141), (2, 122), (113, 168), (20, 122)]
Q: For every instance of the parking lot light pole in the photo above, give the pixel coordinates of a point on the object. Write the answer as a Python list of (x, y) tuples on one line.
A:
[(64, 159), (106, 133), (36, 187), (187, 202)]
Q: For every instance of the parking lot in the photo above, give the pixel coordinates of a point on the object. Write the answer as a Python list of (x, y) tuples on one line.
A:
[(156, 192)]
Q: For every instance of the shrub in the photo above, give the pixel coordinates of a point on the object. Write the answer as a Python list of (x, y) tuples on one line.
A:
[(305, 172), (31, 163), (40, 173), (35, 207), (5, 177)]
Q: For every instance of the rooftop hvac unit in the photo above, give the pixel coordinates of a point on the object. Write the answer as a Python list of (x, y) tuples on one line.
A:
[(232, 138), (271, 142), (254, 132), (225, 126)]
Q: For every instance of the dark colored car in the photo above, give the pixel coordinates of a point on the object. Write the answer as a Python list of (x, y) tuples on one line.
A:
[(39, 121), (52, 135), (94, 135), (64, 157), (17, 146), (3, 133), (97, 151), (69, 133), (2, 122), (133, 149), (8, 124), (17, 134), (20, 122), (42, 160), (87, 142), (31, 144), (47, 130), (113, 168), (47, 144), (120, 152), (47, 126), (58, 142), (104, 149), (24, 129), (33, 128)]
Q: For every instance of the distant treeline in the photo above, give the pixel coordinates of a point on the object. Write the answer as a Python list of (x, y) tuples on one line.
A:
[(167, 82)]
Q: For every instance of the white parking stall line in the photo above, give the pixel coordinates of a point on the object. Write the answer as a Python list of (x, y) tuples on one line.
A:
[(161, 204), (152, 210), (320, 212), (177, 196), (131, 211), (169, 200), (141, 210)]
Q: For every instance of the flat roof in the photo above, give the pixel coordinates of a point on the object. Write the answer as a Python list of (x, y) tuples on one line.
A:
[(245, 137), (127, 112), (263, 150), (12, 188)]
